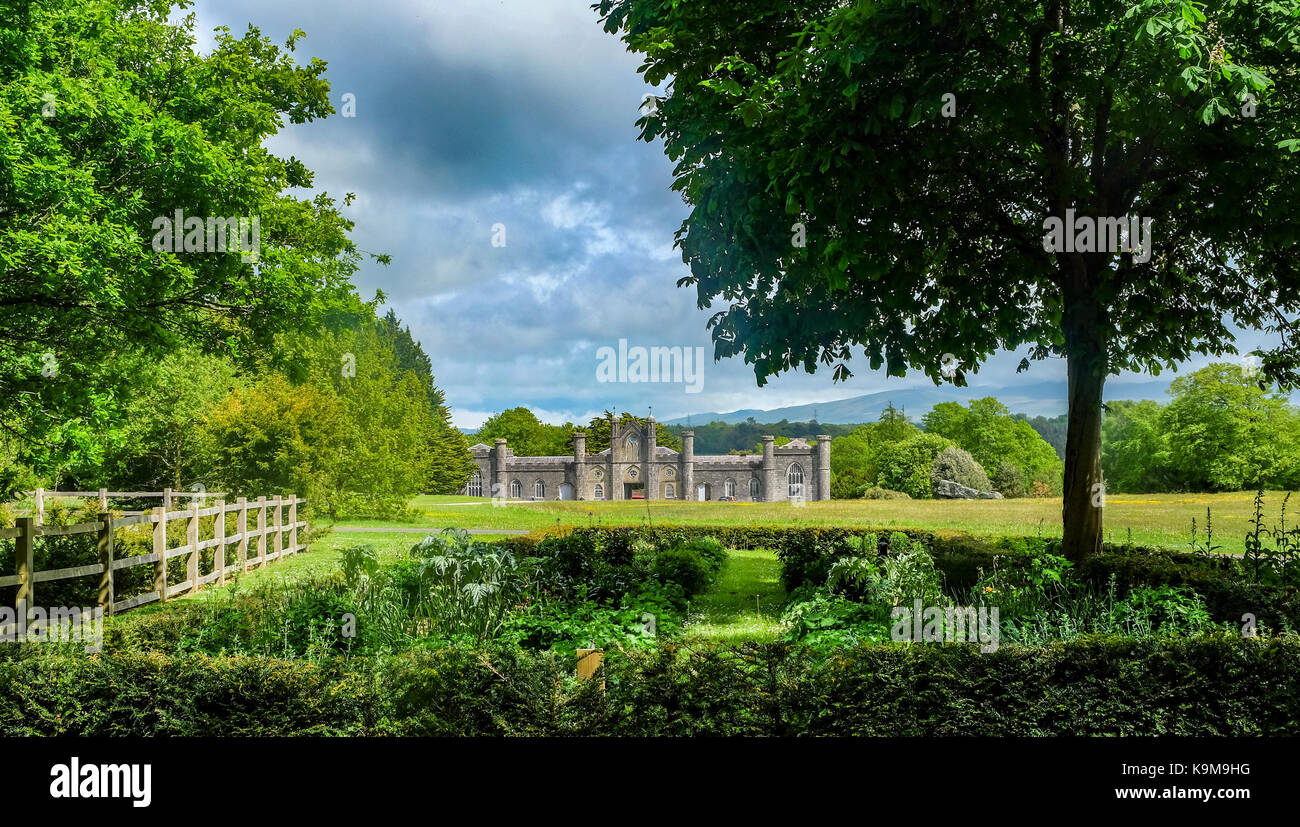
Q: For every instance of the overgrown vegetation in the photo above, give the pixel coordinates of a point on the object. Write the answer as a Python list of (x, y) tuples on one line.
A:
[(458, 636)]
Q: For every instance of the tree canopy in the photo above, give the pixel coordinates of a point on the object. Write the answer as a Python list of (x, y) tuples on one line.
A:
[(110, 119), (1220, 432), (241, 359), (877, 177)]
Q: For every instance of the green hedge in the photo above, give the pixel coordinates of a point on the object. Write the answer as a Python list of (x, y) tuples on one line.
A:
[(1203, 686), (144, 693)]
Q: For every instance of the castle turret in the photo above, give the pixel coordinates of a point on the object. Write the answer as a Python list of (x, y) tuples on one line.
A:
[(613, 491), (687, 470), (580, 464), (500, 458), (823, 466), (648, 469), (771, 489)]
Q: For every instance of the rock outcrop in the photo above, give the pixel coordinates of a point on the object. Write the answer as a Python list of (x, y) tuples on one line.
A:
[(949, 490)]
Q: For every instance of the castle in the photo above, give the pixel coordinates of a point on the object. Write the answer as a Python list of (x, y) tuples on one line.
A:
[(634, 467)]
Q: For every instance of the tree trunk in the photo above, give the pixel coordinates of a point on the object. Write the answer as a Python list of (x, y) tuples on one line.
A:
[(1084, 496)]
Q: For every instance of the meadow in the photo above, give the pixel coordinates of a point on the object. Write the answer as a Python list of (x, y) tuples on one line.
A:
[(1155, 520)]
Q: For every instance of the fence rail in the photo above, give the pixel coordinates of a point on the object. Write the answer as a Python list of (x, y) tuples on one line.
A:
[(167, 495), (251, 548)]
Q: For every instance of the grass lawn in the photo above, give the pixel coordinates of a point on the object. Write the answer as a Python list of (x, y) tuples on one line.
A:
[(744, 603), (1155, 519)]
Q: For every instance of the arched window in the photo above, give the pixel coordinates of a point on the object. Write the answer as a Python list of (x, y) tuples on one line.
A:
[(474, 488), (670, 492), (729, 488), (599, 492), (753, 488), (795, 478), (539, 489), (516, 490)]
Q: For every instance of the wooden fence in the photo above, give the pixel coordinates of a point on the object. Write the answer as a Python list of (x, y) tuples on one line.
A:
[(251, 549), (167, 495)]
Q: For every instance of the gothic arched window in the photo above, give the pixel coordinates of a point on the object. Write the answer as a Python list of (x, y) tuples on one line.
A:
[(795, 479)]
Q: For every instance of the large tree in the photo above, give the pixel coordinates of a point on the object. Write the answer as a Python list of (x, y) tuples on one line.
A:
[(110, 121), (877, 176)]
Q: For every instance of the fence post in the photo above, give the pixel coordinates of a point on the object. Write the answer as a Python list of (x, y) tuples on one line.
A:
[(279, 527), (589, 661), (261, 532), (192, 538), (219, 532), (306, 530), (241, 525), (103, 499), (160, 548), (167, 499), (293, 524), (39, 506), (25, 563), (105, 547)]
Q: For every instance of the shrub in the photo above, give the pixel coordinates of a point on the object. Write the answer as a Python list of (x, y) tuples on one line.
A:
[(684, 566), (956, 464), (1009, 480), (466, 587), (905, 466), (1050, 481), (710, 549), (826, 622)]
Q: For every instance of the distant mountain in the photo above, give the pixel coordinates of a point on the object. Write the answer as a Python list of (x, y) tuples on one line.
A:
[(1045, 399)]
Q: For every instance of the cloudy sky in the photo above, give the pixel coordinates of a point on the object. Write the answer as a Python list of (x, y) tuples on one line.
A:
[(473, 113)]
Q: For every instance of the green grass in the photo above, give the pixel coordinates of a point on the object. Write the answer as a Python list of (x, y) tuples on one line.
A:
[(744, 603), (1162, 520)]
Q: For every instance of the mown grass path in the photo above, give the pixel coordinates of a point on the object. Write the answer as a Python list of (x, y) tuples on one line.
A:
[(744, 603)]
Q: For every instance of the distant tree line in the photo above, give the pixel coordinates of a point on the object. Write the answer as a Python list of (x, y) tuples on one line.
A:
[(1050, 428), (746, 437), (1220, 432), (528, 436)]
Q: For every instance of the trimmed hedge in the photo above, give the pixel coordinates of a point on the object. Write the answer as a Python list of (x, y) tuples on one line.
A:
[(148, 693), (1209, 686), (806, 555)]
